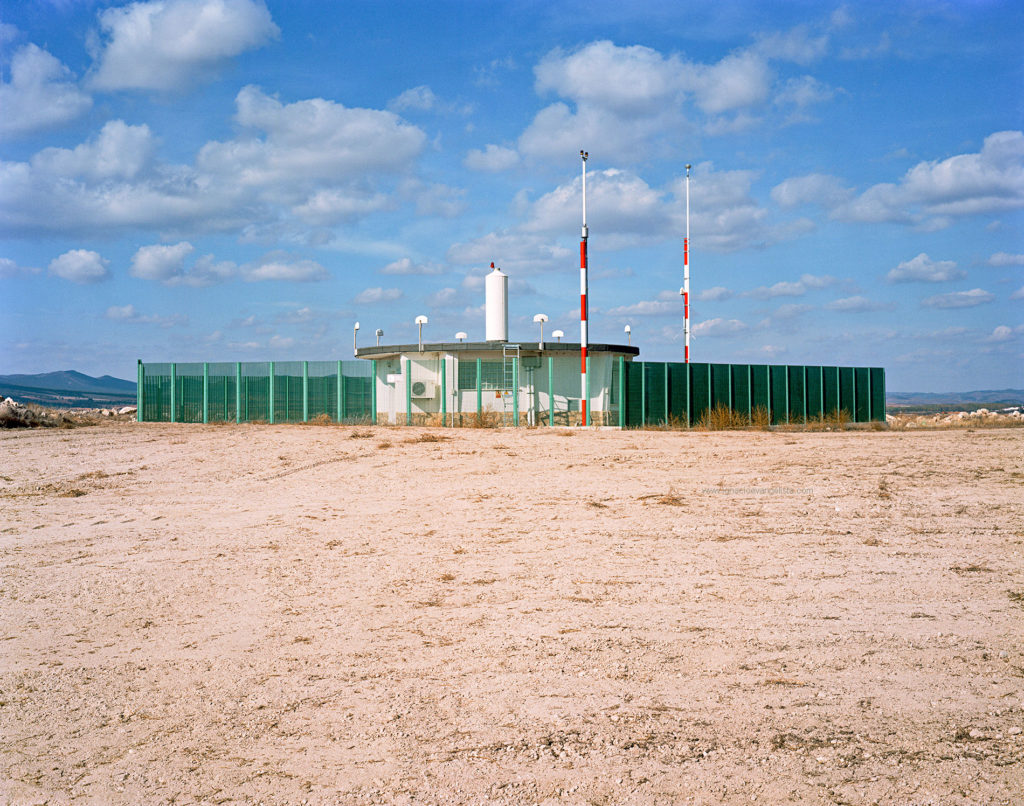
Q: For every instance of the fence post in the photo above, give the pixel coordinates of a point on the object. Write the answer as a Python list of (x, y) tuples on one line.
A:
[(590, 418), (139, 394), (373, 392), (479, 390), (270, 378), (444, 392), (551, 391), (515, 391), (709, 389), (408, 391), (206, 392), (174, 393), (805, 395), (853, 379), (622, 391), (305, 391), (238, 391), (732, 404)]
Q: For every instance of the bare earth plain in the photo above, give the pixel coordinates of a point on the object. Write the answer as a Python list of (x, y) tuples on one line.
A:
[(298, 614)]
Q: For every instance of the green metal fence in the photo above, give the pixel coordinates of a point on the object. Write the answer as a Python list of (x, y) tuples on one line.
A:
[(658, 393), (644, 393), (268, 391)]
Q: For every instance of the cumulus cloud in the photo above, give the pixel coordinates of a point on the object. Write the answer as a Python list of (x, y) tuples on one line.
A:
[(796, 45), (327, 207), (11, 268), (170, 44), (803, 92), (492, 159), (820, 189), (959, 299), (127, 313), (1003, 333), (923, 269), (718, 327), (788, 288), (856, 304), (1000, 259), (41, 93), (1018, 294), (989, 181), (716, 293), (119, 151), (161, 262), (406, 265), (443, 298), (309, 140), (370, 296), (647, 308), (282, 266), (420, 98), (80, 266), (516, 251)]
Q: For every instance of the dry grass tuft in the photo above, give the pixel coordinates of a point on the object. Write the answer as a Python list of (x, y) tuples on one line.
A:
[(761, 418), (357, 434), (973, 568), (669, 499), (429, 437), (722, 418), (884, 490), (383, 445)]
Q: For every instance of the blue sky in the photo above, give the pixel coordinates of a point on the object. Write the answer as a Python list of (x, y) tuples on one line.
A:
[(231, 180)]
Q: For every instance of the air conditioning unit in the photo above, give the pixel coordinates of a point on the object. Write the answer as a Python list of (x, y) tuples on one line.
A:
[(424, 389)]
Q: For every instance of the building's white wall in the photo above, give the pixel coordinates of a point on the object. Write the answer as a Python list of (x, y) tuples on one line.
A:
[(534, 392)]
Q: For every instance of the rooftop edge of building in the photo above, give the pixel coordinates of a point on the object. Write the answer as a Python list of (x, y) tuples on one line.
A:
[(557, 347)]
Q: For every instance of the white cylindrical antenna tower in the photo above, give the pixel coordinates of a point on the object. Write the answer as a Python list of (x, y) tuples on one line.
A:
[(584, 384), (686, 274), (496, 305)]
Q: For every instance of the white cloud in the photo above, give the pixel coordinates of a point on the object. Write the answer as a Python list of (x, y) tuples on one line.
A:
[(516, 251), (818, 281), (821, 189), (718, 327), (1018, 294), (127, 313), (80, 266), (790, 311), (40, 94), (370, 296), (161, 262), (1003, 333), (169, 44), (857, 304), (930, 193), (1001, 259), (739, 80), (803, 91), (10, 268), (716, 293), (648, 308), (312, 140), (406, 265), (492, 159), (780, 289), (420, 98), (119, 151), (328, 207), (443, 298), (923, 269), (959, 299), (282, 266), (796, 45)]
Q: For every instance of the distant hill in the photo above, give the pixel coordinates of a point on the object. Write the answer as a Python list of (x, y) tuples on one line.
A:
[(68, 389), (989, 398)]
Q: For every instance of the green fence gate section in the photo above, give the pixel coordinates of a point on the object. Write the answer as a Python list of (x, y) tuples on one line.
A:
[(658, 393), (266, 391)]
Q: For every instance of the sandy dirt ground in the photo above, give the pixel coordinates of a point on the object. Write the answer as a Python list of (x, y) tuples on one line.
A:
[(299, 614)]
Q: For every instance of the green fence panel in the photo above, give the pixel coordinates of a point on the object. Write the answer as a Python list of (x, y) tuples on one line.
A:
[(721, 386), (797, 401), (778, 385), (830, 387), (739, 377), (878, 394), (862, 404), (654, 385), (760, 388), (700, 391), (813, 388), (679, 393), (634, 399), (847, 397)]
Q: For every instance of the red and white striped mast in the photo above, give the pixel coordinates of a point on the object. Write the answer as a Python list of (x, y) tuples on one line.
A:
[(584, 380), (685, 290)]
